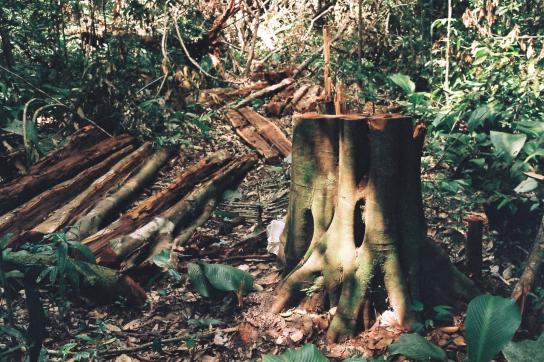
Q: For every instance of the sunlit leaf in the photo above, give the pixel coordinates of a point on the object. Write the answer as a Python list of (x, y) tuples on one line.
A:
[(307, 353), (416, 347), (507, 143), (525, 351), (404, 82), (490, 324)]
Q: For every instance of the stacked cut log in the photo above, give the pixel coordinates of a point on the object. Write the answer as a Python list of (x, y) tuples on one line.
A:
[(80, 190), (261, 133), (302, 100), (217, 96)]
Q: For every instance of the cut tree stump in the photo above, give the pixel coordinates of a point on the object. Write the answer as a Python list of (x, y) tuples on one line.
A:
[(157, 203), (355, 214), (79, 154), (21, 220), (259, 132)]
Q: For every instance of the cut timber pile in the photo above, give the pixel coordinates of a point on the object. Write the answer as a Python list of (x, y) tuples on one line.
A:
[(79, 192), (302, 99), (261, 133)]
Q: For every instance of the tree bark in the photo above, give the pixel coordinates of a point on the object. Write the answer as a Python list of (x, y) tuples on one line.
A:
[(370, 221), (73, 210), (154, 205), (160, 231), (95, 218), (532, 268), (60, 166), (28, 215)]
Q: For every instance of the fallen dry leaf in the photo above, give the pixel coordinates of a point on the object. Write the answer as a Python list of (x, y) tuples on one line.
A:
[(459, 341), (296, 336)]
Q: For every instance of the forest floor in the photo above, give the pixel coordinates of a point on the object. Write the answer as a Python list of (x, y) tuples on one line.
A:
[(203, 329)]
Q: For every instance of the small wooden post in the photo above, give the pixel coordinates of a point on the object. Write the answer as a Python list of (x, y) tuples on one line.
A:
[(473, 246), (339, 108), (326, 68)]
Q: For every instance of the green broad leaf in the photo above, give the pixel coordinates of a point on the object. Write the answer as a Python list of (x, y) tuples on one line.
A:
[(227, 278), (527, 185), (490, 324), (507, 143), (162, 258), (525, 351), (198, 280), (404, 82), (306, 353), (416, 347), (479, 116)]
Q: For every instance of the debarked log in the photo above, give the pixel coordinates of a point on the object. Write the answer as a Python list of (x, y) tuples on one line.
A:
[(94, 219), (116, 175), (160, 231)]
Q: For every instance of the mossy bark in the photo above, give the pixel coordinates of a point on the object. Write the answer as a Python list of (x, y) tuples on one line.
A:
[(372, 222), (313, 187)]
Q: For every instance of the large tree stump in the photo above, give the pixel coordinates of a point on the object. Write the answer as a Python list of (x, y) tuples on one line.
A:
[(356, 213)]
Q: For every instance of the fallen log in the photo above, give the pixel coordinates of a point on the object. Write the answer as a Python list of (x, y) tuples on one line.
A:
[(219, 95), (268, 130), (260, 133), (31, 213), (265, 92), (154, 205), (185, 234), (532, 269), (57, 168), (98, 283), (163, 226), (73, 210), (95, 218), (250, 135), (287, 81)]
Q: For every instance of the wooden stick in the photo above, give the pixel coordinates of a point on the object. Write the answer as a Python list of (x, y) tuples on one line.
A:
[(326, 67), (338, 106), (473, 246)]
